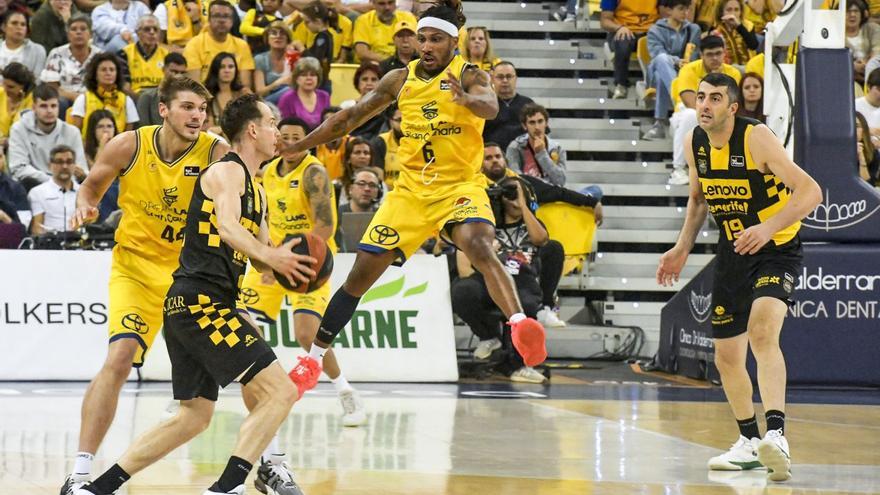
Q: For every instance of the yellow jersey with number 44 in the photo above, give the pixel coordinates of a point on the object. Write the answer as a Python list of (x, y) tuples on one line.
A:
[(154, 196), (442, 143)]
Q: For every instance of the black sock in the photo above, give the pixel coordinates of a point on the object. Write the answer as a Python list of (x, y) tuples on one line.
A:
[(111, 480), (775, 420), (749, 427), (339, 312), (235, 473)]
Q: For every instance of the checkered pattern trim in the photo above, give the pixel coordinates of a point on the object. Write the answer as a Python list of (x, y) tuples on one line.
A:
[(775, 187), (223, 322), (209, 228)]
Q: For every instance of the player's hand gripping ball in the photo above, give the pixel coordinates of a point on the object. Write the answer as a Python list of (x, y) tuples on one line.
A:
[(314, 246)]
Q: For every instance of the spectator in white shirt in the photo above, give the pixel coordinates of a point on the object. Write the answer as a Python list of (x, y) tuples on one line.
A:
[(66, 65), (53, 203), (115, 23), (869, 105)]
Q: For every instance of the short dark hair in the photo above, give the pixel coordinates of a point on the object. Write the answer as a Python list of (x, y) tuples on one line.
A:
[(238, 114), (671, 4), (874, 78), (174, 58), (295, 121), (170, 86), (80, 17), (718, 79), (445, 13), (505, 62), (20, 74), (45, 92), (365, 66), (60, 148), (489, 144), (530, 109), (711, 42), (219, 3), (91, 78), (8, 15), (330, 109)]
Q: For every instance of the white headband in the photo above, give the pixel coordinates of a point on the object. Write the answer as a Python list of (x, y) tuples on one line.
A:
[(437, 23)]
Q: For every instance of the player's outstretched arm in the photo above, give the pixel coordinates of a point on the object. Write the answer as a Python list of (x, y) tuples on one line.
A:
[(672, 261), (771, 157), (110, 162), (474, 92), (345, 121), (317, 187), (224, 182)]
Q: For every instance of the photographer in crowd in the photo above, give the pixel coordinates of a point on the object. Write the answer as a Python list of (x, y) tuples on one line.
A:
[(532, 259)]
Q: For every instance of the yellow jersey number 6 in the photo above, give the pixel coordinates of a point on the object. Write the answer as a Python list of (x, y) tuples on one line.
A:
[(732, 228), (428, 152)]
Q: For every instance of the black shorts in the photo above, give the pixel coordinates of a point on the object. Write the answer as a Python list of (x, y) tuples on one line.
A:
[(209, 344), (740, 279)]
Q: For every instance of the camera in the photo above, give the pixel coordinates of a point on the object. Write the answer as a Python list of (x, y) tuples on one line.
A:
[(503, 189)]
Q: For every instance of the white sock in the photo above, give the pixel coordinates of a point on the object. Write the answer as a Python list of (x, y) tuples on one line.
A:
[(273, 454), (83, 463), (340, 383), (317, 353), (517, 317)]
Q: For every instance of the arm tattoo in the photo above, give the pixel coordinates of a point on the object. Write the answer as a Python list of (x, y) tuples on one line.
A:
[(317, 187)]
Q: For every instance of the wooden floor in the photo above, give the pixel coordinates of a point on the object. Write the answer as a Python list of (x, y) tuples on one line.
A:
[(445, 439)]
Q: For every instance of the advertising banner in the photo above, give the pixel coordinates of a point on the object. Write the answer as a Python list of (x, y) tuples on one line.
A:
[(53, 321), (831, 334)]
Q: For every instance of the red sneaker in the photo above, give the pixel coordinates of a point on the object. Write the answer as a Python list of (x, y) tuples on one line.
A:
[(305, 374), (529, 340)]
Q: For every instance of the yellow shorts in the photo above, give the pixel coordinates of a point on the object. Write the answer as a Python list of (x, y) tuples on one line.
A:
[(407, 219), (137, 295), (265, 300)]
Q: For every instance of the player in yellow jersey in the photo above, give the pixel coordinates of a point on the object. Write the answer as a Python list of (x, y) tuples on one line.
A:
[(741, 173), (300, 199), (444, 102)]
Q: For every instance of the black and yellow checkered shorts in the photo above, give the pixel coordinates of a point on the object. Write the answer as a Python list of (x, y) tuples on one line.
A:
[(209, 344)]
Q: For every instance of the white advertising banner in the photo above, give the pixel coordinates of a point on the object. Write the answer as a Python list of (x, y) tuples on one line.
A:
[(53, 321)]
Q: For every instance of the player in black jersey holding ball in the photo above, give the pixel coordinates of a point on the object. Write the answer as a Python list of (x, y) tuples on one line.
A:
[(210, 345), (741, 173)]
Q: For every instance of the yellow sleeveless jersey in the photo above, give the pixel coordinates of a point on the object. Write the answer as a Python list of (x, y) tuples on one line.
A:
[(288, 204), (154, 196), (145, 72), (442, 141)]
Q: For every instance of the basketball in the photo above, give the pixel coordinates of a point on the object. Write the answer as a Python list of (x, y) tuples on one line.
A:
[(314, 246)]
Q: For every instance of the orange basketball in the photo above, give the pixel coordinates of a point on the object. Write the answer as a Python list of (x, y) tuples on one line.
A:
[(314, 246)]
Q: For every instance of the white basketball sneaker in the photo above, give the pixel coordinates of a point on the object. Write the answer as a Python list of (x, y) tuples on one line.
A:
[(73, 483), (773, 453), (741, 456), (239, 490), (354, 413)]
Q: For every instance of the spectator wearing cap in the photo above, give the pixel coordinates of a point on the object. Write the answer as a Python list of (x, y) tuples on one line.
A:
[(506, 125), (272, 76), (534, 154), (66, 65), (340, 28), (16, 47), (53, 203), (685, 97), (36, 132), (374, 31), (49, 24), (404, 47), (201, 50), (148, 101), (625, 21), (115, 23), (142, 61)]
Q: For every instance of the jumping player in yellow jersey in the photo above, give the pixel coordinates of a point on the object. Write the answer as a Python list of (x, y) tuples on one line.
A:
[(157, 167), (444, 102), (741, 174), (300, 199)]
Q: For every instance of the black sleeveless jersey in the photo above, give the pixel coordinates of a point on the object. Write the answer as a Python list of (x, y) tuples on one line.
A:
[(205, 259), (739, 195)]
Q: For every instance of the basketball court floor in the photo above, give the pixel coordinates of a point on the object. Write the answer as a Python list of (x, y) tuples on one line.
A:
[(571, 437)]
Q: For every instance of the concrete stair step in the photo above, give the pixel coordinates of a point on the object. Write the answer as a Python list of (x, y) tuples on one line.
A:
[(571, 342), (643, 236), (490, 21), (626, 308), (636, 284), (563, 62), (601, 103), (631, 167), (627, 145), (636, 190)]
